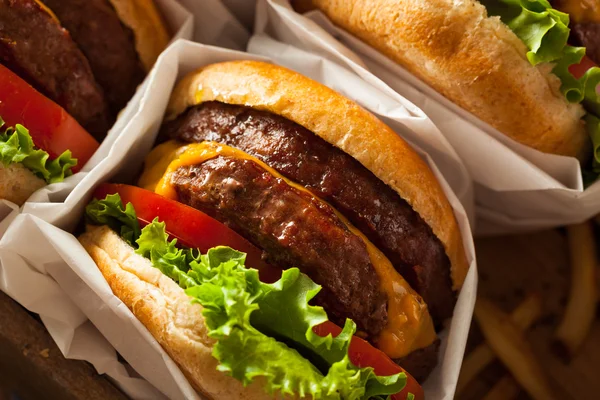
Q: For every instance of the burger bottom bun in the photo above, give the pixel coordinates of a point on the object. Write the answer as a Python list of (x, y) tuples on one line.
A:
[(167, 312), (17, 183)]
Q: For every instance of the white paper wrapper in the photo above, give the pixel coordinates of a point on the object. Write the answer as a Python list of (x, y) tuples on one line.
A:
[(216, 25), (516, 188), (6, 207), (58, 274), (243, 10)]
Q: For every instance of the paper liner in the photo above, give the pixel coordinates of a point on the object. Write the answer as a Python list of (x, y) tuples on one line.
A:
[(215, 24)]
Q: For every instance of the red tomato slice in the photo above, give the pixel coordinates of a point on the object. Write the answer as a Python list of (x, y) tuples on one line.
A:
[(192, 228), (50, 126), (578, 70), (362, 354)]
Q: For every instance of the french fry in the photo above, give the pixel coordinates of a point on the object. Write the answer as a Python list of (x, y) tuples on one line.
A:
[(581, 307), (479, 358), (526, 313), (529, 311), (505, 389), (512, 349)]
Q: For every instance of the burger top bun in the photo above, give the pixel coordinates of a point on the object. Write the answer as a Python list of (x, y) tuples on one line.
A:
[(143, 18), (475, 61), (166, 311), (17, 183), (339, 121)]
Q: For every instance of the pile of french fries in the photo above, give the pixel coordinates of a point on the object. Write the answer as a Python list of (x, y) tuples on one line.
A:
[(505, 335)]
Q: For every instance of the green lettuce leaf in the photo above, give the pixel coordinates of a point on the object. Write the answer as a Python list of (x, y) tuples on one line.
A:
[(153, 243), (241, 312), (110, 211), (544, 31), (16, 146), (270, 324), (582, 89)]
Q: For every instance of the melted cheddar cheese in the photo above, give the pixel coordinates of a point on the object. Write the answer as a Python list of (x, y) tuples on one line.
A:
[(409, 324)]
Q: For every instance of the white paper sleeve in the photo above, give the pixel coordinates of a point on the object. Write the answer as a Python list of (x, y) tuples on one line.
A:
[(516, 188), (216, 25), (57, 279)]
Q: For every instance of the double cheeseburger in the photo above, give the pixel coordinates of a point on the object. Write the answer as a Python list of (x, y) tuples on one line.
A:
[(67, 67), (515, 64), (348, 228)]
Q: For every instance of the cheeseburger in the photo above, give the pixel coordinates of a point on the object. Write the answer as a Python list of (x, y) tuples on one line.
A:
[(88, 56), (67, 67), (515, 64), (345, 230)]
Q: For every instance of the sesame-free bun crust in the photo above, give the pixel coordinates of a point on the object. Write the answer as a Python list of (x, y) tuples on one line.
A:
[(340, 122), (167, 312), (143, 18), (17, 183), (475, 61)]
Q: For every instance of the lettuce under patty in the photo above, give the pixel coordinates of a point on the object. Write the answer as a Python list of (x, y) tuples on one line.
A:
[(16, 146), (545, 32), (260, 329)]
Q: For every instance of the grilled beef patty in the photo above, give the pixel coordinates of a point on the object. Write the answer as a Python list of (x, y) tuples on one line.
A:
[(294, 230), (373, 207), (108, 45), (36, 47), (587, 34), (421, 362)]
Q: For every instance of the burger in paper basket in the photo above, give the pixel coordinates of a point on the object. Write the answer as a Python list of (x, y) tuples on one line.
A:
[(282, 242)]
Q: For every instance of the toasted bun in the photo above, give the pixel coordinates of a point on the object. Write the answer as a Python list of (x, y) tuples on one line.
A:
[(151, 34), (475, 61), (167, 312), (339, 121), (17, 183)]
